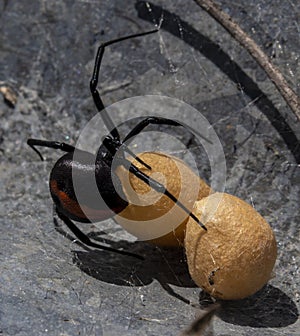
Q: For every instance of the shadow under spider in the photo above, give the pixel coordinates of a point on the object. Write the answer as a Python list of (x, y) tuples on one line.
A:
[(268, 308), (166, 265)]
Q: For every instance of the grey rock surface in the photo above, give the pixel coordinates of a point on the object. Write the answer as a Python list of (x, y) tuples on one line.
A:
[(51, 285)]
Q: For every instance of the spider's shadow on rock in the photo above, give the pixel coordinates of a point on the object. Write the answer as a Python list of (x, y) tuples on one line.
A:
[(268, 308), (171, 22), (166, 265)]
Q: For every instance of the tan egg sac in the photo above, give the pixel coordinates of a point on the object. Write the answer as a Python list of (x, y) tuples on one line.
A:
[(235, 257), (156, 218)]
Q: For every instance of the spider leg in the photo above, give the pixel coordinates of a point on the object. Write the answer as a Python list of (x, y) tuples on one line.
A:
[(50, 144), (148, 180), (160, 121), (94, 81), (115, 146), (157, 186), (171, 291), (124, 148), (86, 240)]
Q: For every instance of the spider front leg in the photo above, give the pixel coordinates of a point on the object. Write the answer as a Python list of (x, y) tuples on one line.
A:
[(160, 121), (50, 144), (114, 136), (95, 77)]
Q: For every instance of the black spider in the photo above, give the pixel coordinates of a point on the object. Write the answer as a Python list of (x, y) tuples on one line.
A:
[(84, 164)]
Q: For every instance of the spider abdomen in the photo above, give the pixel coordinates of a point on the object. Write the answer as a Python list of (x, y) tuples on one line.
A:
[(83, 190)]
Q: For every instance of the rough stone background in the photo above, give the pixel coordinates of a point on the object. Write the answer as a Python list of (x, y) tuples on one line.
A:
[(49, 284)]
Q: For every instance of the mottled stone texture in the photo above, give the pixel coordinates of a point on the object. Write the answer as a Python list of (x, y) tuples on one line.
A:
[(49, 285)]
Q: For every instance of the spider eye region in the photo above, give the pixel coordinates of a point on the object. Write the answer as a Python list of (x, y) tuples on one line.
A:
[(111, 145)]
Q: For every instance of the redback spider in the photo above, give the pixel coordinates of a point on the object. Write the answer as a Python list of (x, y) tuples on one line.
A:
[(85, 164)]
